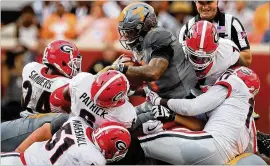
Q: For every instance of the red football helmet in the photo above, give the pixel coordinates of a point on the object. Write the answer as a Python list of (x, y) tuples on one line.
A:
[(249, 77), (113, 140), (110, 89), (201, 44), (64, 56)]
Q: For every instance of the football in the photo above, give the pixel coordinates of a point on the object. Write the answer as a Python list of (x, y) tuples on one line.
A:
[(129, 60)]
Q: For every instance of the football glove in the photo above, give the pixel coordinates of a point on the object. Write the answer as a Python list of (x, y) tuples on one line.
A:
[(151, 96), (152, 127), (163, 114)]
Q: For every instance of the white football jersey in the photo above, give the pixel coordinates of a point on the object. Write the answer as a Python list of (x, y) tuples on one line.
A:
[(230, 123), (37, 87), (226, 56), (82, 104), (71, 145)]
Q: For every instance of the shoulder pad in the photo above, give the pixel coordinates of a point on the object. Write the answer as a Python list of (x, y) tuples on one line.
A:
[(229, 80), (78, 78), (30, 66), (230, 45), (157, 38)]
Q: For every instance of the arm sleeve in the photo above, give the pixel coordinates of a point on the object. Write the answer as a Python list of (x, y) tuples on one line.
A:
[(239, 35), (201, 104), (57, 99)]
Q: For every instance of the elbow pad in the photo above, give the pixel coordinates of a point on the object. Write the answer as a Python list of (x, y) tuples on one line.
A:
[(57, 98)]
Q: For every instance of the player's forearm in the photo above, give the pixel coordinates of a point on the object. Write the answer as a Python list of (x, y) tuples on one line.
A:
[(201, 104), (190, 122), (246, 55), (41, 134), (145, 73)]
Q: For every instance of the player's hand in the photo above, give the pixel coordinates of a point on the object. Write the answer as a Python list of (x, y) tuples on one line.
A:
[(152, 127), (163, 114), (122, 59), (151, 96)]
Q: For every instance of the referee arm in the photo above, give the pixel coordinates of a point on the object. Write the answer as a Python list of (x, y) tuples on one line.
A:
[(239, 37)]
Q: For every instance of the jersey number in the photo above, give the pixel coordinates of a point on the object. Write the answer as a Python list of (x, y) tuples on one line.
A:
[(68, 142), (90, 118), (225, 75), (43, 100)]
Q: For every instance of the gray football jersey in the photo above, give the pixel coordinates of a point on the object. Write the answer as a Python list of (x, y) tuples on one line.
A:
[(180, 77), (14, 132)]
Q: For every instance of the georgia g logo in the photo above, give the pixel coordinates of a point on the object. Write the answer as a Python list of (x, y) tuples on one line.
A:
[(118, 96), (246, 71), (216, 37), (66, 48), (120, 145)]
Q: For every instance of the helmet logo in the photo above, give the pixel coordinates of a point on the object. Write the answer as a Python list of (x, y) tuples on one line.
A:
[(118, 96), (120, 145), (66, 48), (245, 71), (139, 11), (216, 37)]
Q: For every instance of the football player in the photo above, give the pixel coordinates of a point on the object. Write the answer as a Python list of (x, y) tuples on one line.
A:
[(61, 61), (165, 69), (41, 127), (97, 98), (210, 55), (228, 105), (76, 143)]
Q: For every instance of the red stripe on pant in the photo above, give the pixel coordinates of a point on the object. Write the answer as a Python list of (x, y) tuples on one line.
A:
[(22, 158), (255, 136)]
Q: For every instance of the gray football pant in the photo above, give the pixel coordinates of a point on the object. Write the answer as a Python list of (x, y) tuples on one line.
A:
[(183, 147)]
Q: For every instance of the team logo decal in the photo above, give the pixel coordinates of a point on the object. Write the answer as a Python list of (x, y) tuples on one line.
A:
[(66, 48), (216, 37), (120, 145), (246, 71), (118, 96)]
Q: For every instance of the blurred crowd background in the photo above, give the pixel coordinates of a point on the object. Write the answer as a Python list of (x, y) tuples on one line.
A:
[(33, 24)]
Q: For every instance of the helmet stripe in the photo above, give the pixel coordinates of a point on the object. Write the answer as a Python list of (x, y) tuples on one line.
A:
[(105, 86), (111, 127), (203, 34)]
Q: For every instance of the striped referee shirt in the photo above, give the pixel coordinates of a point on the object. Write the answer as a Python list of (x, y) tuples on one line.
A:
[(228, 27)]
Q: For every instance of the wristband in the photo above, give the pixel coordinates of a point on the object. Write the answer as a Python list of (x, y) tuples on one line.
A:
[(122, 68)]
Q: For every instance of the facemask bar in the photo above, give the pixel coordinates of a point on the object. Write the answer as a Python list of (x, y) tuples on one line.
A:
[(128, 40), (75, 65), (116, 157), (199, 54)]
